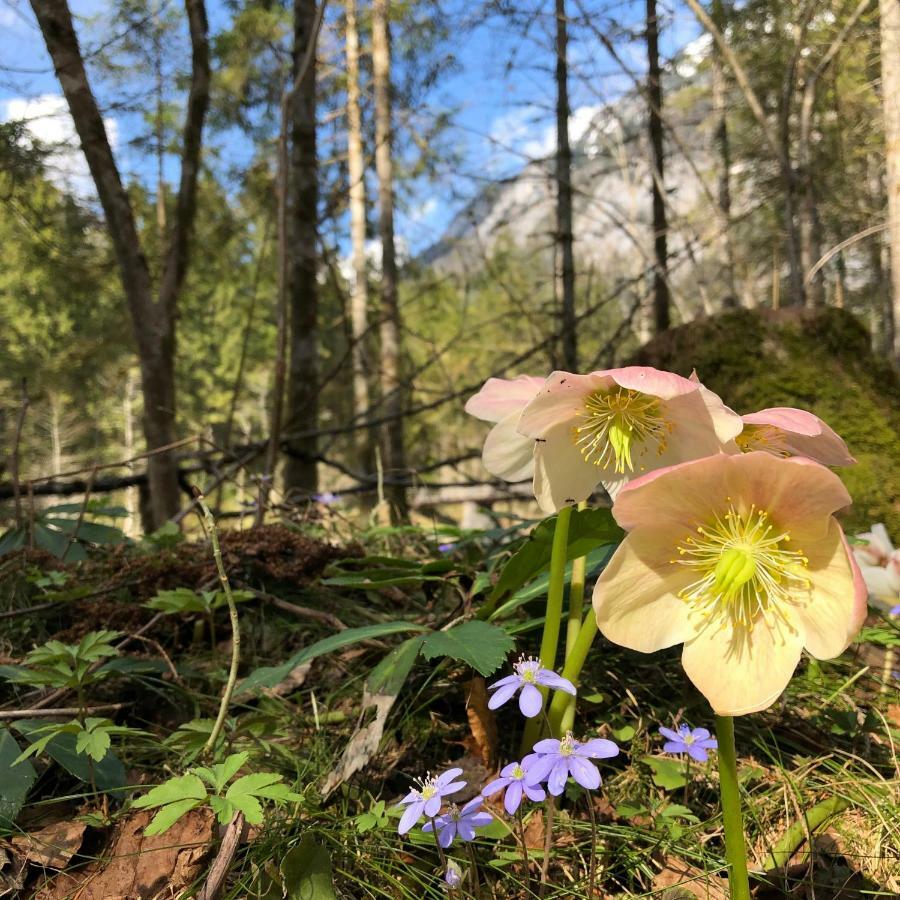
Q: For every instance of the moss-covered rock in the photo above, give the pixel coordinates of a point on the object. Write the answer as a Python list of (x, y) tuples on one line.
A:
[(815, 360)]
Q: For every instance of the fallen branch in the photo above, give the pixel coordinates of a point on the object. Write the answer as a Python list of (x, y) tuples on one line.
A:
[(42, 713)]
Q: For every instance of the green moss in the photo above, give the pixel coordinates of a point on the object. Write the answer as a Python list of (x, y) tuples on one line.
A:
[(820, 361)]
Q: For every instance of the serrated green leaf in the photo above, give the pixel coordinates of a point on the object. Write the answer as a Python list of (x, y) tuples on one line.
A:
[(249, 806), (224, 809), (169, 815), (226, 770), (306, 872), (95, 743), (15, 779), (181, 787), (482, 645), (180, 600)]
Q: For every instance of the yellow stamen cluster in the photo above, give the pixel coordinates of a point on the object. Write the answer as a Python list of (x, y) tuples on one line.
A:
[(567, 744), (763, 437), (615, 422), (745, 573)]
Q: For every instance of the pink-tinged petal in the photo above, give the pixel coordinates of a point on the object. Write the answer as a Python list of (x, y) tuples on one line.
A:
[(598, 748), (805, 434), (836, 608), (500, 396), (647, 380), (878, 585), (513, 797), (410, 816), (584, 772), (880, 538), (508, 454), (741, 673), (530, 701), (547, 745), (501, 695), (494, 787), (635, 599), (561, 475), (700, 425), (559, 774), (560, 401)]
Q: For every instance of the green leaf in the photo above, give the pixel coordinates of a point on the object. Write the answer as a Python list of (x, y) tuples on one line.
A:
[(224, 809), (180, 600), (269, 676), (93, 532), (95, 743), (677, 811), (170, 814), (181, 787), (58, 544), (306, 872), (667, 773), (588, 529), (12, 540), (391, 673), (15, 780), (483, 646)]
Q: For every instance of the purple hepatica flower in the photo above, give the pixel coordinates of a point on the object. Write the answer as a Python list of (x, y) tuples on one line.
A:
[(693, 741), (326, 499), (427, 798), (528, 674), (453, 876), (446, 548), (560, 759), (513, 778), (895, 611), (462, 822)]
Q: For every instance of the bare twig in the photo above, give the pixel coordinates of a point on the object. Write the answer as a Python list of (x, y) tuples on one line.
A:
[(221, 864), (80, 520), (40, 712), (301, 611)]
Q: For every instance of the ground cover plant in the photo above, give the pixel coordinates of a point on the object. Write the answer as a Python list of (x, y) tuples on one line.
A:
[(416, 711)]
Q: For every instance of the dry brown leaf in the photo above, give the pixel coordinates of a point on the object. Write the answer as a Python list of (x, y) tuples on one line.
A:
[(53, 846), (893, 714), (12, 870), (534, 831), (136, 867), (482, 723), (677, 873), (293, 680)]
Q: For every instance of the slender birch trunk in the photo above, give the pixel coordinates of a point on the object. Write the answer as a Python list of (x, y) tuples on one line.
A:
[(890, 92)]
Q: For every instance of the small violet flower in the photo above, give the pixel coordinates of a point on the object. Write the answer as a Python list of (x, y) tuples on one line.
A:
[(327, 498), (461, 822), (693, 741), (529, 673), (453, 876), (895, 610), (513, 778), (560, 759), (446, 548), (427, 798)]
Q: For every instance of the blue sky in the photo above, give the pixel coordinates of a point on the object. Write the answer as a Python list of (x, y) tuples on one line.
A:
[(501, 94)]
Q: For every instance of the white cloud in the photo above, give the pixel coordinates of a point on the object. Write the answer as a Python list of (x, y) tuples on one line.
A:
[(47, 119)]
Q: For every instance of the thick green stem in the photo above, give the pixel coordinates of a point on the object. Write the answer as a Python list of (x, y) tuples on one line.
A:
[(735, 849), (556, 589), (562, 708), (576, 597), (235, 628)]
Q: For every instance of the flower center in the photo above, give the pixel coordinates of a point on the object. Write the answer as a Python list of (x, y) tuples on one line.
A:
[(762, 437), (688, 739), (744, 571), (527, 670), (567, 745), (518, 773), (615, 423)]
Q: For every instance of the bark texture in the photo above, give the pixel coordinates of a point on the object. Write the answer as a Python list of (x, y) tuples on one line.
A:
[(890, 91), (152, 315)]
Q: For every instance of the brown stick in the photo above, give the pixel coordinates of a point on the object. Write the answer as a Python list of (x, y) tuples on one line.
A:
[(302, 611), (219, 869), (40, 712), (81, 512)]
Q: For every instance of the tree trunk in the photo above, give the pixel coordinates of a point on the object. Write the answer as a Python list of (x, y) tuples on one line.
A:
[(723, 146), (359, 300), (660, 226), (890, 92), (392, 387), (565, 275), (153, 318), (300, 471)]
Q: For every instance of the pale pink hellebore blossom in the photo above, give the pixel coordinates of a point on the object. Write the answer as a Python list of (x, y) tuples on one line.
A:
[(608, 427), (880, 566), (793, 432), (739, 558), (507, 454)]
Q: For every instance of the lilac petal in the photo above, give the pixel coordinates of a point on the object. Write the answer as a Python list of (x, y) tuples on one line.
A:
[(498, 699), (559, 774), (446, 777), (709, 744), (675, 747), (480, 820), (510, 679), (412, 795), (530, 701), (671, 735), (697, 753), (540, 769), (528, 759), (684, 730), (598, 748), (534, 792), (494, 786), (465, 830), (507, 771), (557, 682), (446, 835), (433, 805), (584, 772), (472, 806), (411, 815), (547, 745), (453, 787), (513, 797), (701, 734)]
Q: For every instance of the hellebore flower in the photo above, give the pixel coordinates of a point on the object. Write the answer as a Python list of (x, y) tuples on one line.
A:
[(557, 760), (427, 798), (879, 563), (739, 558), (693, 741), (453, 876), (514, 778), (610, 426), (528, 674), (461, 822), (507, 454), (793, 432)]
